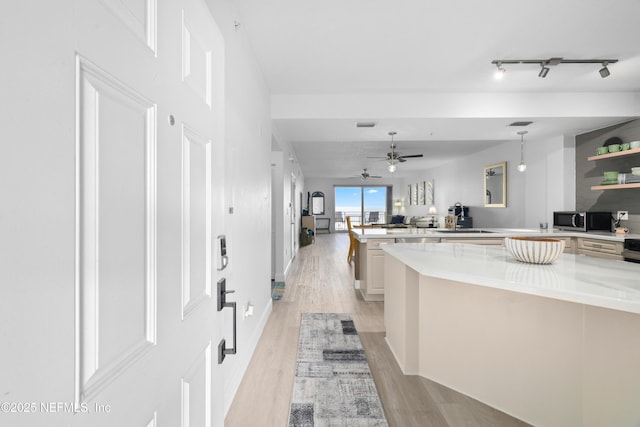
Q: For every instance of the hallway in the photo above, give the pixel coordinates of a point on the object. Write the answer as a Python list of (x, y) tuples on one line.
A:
[(321, 281)]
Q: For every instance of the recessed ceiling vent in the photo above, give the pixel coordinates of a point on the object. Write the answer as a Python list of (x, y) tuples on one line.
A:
[(520, 123), (365, 124)]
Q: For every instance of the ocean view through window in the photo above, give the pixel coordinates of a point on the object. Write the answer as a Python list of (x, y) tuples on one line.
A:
[(365, 205)]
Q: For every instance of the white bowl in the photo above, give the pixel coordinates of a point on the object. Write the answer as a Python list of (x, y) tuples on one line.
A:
[(634, 144), (635, 171), (534, 250)]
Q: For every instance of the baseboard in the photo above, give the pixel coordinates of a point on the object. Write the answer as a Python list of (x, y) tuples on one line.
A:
[(400, 365), (282, 277), (232, 382)]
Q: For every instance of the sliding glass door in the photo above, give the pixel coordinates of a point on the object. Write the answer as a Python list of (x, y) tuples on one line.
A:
[(365, 205)]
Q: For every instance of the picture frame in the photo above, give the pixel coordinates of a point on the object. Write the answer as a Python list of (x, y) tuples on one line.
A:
[(414, 194), (429, 193), (421, 192)]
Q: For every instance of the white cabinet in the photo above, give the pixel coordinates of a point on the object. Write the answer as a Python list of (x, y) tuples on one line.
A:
[(600, 248), (372, 269)]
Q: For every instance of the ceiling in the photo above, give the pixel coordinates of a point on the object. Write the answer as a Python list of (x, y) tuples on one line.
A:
[(337, 50)]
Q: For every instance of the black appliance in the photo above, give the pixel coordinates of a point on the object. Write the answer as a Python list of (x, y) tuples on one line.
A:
[(463, 219), (582, 221), (457, 209), (631, 251)]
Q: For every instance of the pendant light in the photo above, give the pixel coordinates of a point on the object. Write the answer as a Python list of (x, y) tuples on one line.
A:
[(392, 162), (522, 166)]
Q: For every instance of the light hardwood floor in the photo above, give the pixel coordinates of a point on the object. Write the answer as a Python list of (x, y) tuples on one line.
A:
[(321, 281)]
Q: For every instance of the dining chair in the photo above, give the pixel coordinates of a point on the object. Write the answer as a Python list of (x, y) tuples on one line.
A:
[(339, 220), (352, 243)]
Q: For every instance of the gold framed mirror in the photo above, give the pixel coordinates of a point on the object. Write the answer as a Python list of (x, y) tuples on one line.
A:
[(495, 185)]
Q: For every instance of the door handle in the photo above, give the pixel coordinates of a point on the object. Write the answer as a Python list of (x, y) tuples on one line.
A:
[(222, 303)]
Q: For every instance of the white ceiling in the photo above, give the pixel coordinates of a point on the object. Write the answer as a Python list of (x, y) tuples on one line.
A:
[(363, 47)]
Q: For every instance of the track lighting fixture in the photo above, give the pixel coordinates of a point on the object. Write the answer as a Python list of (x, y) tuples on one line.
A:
[(545, 63), (522, 166)]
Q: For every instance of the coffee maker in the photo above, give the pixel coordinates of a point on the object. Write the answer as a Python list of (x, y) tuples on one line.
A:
[(461, 212)]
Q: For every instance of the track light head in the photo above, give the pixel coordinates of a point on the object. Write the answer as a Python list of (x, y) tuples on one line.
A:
[(499, 74), (543, 71), (604, 71)]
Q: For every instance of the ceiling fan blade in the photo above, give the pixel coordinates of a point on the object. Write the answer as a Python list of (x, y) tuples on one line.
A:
[(369, 157), (410, 155), (375, 176)]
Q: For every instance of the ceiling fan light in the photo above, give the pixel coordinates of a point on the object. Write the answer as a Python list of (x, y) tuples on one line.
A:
[(392, 167)]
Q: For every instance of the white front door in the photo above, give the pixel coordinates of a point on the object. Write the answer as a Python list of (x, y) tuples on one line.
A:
[(109, 307)]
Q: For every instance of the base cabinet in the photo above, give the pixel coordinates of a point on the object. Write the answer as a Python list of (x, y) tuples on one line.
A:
[(372, 269), (569, 244), (600, 248)]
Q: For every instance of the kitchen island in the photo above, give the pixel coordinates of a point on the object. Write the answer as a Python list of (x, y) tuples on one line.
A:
[(549, 344), (369, 258)]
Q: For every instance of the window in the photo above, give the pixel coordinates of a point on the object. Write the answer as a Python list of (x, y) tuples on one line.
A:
[(365, 205)]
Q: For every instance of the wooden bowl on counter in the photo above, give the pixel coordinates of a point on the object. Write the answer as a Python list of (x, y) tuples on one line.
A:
[(534, 250)]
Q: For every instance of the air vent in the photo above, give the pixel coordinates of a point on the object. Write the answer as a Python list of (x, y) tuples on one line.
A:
[(520, 123), (365, 124)]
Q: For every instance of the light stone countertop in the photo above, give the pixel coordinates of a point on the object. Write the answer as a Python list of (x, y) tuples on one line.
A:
[(361, 234), (575, 278)]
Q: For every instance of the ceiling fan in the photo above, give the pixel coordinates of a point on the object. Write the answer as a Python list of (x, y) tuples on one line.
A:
[(394, 157), (365, 175)]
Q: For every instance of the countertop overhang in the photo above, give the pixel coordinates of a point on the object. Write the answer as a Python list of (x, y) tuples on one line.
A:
[(362, 234), (576, 278)]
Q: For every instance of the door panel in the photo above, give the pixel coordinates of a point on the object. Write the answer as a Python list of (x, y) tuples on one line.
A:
[(196, 220), (139, 16), (115, 223)]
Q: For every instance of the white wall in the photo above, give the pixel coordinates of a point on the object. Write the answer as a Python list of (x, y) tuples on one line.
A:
[(287, 171), (532, 196), (248, 191)]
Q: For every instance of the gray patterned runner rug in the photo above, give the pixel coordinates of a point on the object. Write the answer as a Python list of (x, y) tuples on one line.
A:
[(333, 385)]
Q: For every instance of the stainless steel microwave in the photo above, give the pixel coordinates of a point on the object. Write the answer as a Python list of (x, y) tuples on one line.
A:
[(582, 221)]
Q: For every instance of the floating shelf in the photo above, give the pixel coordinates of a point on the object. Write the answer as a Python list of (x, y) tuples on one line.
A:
[(616, 154), (615, 186)]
